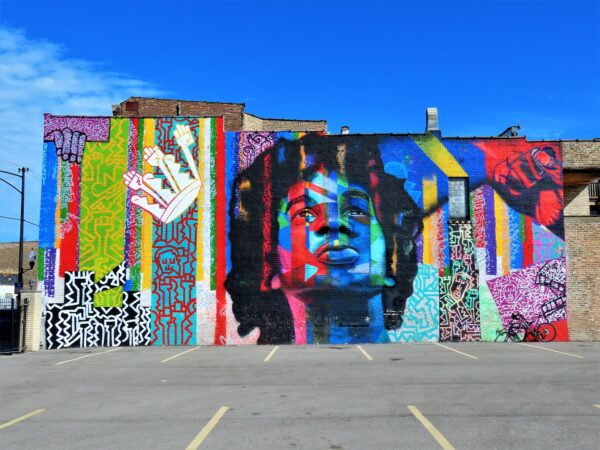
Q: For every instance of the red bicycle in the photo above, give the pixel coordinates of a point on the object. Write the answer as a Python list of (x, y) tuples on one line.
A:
[(520, 329)]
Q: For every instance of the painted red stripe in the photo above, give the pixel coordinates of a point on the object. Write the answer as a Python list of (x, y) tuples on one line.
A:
[(266, 223), (69, 248), (528, 242), (133, 162), (221, 206)]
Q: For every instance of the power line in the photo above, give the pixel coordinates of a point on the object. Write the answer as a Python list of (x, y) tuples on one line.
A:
[(14, 218), (31, 171)]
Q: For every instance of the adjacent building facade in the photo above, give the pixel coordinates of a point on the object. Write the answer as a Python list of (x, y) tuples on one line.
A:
[(183, 223)]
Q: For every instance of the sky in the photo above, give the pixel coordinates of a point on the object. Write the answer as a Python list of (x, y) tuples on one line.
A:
[(374, 66)]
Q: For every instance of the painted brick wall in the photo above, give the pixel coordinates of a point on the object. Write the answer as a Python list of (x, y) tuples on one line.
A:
[(170, 231)]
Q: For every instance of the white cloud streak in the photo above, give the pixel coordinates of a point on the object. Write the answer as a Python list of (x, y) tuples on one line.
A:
[(38, 77)]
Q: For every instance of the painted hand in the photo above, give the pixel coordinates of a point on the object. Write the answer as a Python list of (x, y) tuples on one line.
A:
[(69, 144), (183, 136)]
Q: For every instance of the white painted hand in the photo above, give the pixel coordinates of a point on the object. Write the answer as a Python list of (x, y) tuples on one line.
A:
[(183, 136)]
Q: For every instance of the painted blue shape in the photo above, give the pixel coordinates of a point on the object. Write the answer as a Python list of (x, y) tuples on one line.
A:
[(516, 245), (397, 169), (470, 158), (404, 159), (309, 271), (49, 196), (284, 239), (232, 161), (421, 315)]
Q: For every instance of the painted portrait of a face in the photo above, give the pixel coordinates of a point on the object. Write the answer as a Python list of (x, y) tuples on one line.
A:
[(336, 253), (330, 242)]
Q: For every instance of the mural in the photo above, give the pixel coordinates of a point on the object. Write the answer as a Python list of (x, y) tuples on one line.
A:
[(167, 231)]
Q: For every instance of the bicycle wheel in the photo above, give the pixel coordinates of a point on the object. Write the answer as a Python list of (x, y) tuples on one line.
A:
[(546, 332), (516, 337), (501, 336)]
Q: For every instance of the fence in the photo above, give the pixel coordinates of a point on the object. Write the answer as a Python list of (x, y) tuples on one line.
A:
[(13, 317)]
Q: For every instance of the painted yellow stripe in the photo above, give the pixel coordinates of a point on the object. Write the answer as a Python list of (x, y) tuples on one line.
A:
[(502, 232), (364, 352), (22, 418), (440, 155), (550, 350), (439, 437), (208, 189), (597, 406), (456, 351), (146, 265), (429, 225), (87, 356), (57, 231), (180, 354), (207, 429), (270, 355)]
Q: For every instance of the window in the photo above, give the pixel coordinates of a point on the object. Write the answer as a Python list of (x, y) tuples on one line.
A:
[(131, 106), (458, 198)]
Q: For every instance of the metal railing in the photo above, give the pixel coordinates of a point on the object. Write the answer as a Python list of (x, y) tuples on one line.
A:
[(594, 190), (13, 319)]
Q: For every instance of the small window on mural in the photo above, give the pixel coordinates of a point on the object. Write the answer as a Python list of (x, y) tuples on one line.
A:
[(458, 192)]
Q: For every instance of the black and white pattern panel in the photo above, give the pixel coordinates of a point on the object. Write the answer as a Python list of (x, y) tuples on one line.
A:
[(78, 323)]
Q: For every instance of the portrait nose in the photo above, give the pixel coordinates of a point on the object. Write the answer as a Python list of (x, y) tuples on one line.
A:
[(332, 226)]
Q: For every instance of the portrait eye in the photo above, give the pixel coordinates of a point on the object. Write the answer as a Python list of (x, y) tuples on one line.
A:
[(306, 213), (357, 212)]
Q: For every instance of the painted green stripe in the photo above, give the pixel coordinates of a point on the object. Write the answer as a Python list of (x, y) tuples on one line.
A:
[(135, 271), (65, 190), (102, 223), (40, 263)]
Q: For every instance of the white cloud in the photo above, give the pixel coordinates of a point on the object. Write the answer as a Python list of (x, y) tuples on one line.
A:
[(37, 77)]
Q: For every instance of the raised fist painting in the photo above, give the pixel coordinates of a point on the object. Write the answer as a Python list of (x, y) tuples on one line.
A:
[(69, 144)]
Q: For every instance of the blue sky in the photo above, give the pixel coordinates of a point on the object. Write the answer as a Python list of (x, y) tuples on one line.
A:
[(374, 66)]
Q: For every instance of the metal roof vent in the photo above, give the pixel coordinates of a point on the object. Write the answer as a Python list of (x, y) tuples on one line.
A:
[(512, 131), (432, 120)]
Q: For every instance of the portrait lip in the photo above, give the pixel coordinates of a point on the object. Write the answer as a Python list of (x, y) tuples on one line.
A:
[(337, 255)]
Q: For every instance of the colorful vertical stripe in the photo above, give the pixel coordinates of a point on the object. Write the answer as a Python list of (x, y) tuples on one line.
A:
[(102, 240), (220, 211)]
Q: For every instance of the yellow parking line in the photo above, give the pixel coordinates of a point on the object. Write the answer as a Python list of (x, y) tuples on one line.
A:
[(207, 429), (179, 354), (270, 355), (364, 352), (597, 406), (439, 437), (457, 351), (20, 419), (550, 350), (87, 356)]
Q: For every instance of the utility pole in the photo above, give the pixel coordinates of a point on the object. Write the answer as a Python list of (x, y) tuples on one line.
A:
[(22, 170), (21, 175)]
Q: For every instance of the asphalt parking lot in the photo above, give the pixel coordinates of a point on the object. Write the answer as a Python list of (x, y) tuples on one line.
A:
[(394, 396)]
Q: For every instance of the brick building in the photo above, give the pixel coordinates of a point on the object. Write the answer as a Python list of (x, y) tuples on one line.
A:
[(582, 230), (234, 114), (167, 232)]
